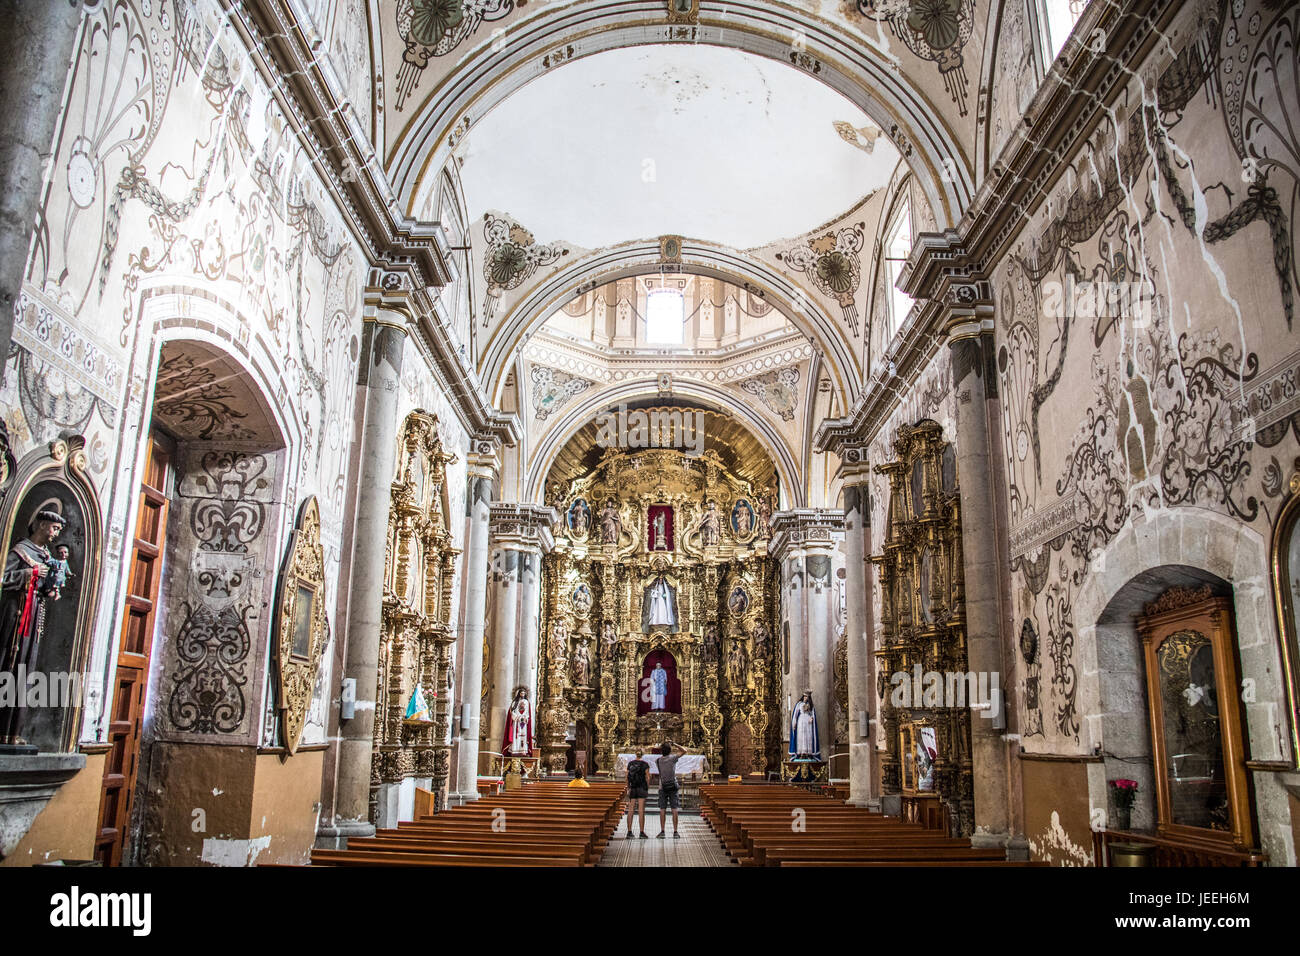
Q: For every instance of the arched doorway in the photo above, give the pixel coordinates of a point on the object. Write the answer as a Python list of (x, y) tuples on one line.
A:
[(187, 711)]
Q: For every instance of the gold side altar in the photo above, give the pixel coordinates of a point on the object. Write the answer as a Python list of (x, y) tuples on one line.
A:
[(660, 557)]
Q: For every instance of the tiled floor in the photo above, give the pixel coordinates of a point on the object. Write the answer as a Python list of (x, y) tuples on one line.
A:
[(697, 846)]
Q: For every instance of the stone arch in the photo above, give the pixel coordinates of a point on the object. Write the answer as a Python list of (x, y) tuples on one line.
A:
[(1167, 548), (527, 315), (854, 66), (541, 458)]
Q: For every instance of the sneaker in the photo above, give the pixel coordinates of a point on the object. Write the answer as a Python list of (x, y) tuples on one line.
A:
[(676, 835), (659, 835), (643, 835)]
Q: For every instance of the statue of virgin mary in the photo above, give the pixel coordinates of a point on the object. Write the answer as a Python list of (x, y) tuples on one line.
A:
[(659, 606), (803, 730)]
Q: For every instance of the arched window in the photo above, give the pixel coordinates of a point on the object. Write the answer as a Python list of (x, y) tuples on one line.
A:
[(665, 317), (1058, 18), (898, 246)]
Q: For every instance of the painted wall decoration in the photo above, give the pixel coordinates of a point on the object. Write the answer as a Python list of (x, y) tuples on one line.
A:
[(433, 28), (833, 263), (934, 30), (778, 390), (552, 390), (511, 257)]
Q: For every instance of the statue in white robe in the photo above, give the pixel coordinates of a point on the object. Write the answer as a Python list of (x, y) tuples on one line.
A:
[(519, 726), (661, 604), (803, 730)]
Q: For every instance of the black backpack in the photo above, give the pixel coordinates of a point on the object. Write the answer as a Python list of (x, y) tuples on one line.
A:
[(636, 773)]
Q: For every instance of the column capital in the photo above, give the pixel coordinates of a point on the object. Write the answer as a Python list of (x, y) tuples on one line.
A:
[(522, 526), (801, 529)]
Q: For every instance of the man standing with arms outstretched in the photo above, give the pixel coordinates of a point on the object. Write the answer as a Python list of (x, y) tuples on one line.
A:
[(668, 787)]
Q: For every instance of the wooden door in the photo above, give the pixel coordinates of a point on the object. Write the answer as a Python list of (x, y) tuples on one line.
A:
[(132, 675), (1198, 741)]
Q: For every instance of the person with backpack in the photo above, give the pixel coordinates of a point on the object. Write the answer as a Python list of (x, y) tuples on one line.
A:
[(668, 786), (638, 789)]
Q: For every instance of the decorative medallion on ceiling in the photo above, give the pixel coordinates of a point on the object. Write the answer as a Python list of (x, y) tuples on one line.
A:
[(934, 30), (431, 28)]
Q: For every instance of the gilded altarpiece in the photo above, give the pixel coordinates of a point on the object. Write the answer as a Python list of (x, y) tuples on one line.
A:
[(420, 569), (624, 590), (923, 625)]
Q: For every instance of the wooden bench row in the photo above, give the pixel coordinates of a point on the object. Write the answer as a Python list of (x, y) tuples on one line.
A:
[(788, 826), (540, 824)]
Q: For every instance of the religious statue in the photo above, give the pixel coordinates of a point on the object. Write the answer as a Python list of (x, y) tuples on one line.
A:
[(738, 602), (711, 644), (559, 638), (611, 525), (660, 604), (737, 665), (582, 599), (658, 687), (711, 526), (31, 578), (579, 518), (608, 634), (519, 726), (581, 665), (803, 730), (742, 519), (765, 515), (760, 641), (661, 534)]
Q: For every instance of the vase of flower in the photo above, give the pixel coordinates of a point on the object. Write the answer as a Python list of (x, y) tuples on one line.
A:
[(1125, 793)]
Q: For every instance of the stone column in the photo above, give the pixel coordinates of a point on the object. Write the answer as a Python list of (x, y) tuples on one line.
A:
[(502, 638), (802, 541), (859, 580), (521, 534), (530, 613), (797, 594), (482, 474), (383, 341), (970, 337), (819, 594), (33, 74)]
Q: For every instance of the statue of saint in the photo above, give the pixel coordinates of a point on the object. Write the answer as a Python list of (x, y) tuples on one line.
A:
[(711, 644), (744, 519), (519, 726), (737, 665), (661, 533), (611, 525), (608, 635), (711, 526), (660, 604), (581, 665), (803, 730), (658, 687), (765, 516), (31, 577)]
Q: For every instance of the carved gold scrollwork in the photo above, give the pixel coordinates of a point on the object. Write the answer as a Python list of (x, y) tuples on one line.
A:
[(302, 626)]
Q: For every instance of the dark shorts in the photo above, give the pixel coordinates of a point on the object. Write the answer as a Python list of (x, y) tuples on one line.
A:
[(669, 797), (638, 793)]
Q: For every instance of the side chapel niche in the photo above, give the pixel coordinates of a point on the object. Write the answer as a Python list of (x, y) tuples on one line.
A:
[(411, 723), (923, 623), (660, 563)]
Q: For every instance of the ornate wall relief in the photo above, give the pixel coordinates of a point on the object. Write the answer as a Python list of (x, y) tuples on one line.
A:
[(411, 725)]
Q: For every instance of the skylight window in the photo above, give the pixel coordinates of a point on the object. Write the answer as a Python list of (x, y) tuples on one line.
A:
[(665, 317), (897, 250), (1061, 18)]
